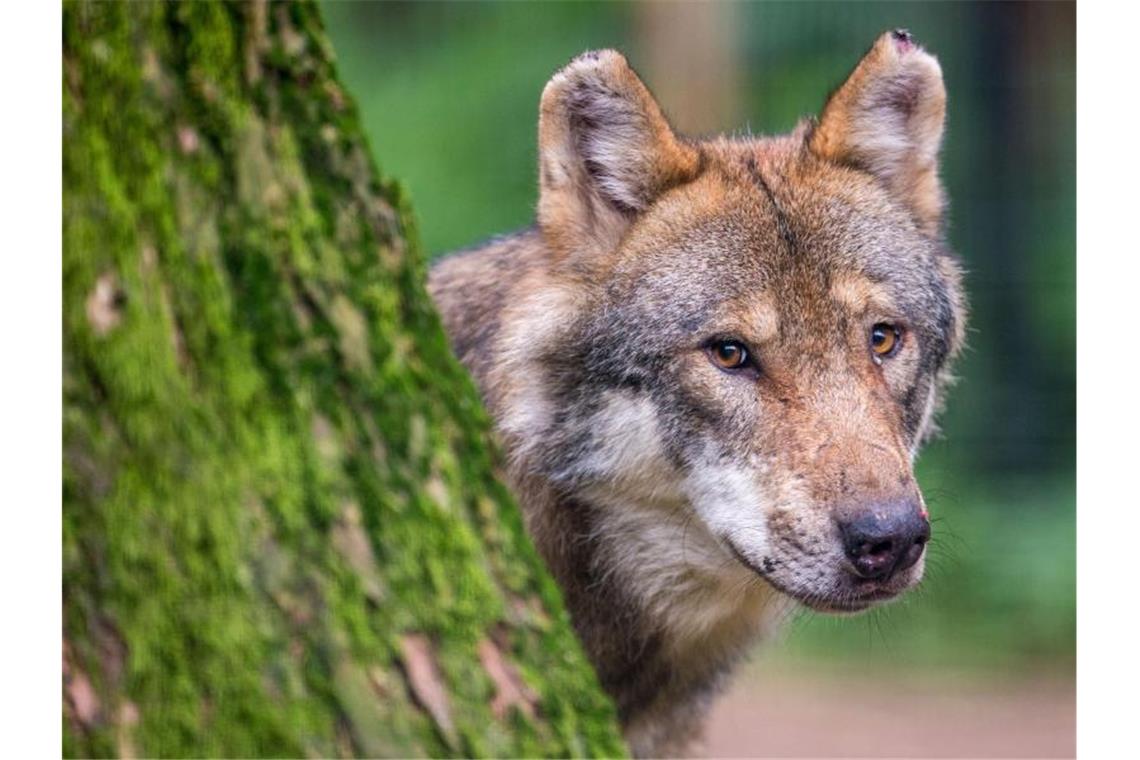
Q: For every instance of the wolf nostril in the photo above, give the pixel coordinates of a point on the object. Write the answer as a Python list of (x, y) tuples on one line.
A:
[(872, 560), (883, 547), (915, 548)]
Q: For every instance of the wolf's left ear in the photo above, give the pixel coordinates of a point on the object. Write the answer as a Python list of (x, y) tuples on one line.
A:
[(606, 153), (887, 119)]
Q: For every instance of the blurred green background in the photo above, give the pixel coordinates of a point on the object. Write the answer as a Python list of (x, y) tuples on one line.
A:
[(449, 95)]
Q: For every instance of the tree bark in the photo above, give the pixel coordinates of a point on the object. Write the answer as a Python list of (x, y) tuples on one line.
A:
[(282, 532)]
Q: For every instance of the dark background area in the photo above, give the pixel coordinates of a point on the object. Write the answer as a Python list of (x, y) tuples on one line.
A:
[(449, 95)]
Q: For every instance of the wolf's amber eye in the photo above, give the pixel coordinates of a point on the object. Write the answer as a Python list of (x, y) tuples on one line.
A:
[(729, 354), (884, 340)]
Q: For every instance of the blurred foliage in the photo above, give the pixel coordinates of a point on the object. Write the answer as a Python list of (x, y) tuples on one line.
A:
[(463, 80)]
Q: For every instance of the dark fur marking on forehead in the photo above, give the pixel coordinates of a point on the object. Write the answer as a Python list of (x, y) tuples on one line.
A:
[(782, 225)]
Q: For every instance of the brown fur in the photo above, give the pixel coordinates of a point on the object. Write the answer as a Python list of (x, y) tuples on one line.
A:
[(683, 508)]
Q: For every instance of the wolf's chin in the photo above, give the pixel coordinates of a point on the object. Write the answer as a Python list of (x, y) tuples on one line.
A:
[(845, 602), (849, 605)]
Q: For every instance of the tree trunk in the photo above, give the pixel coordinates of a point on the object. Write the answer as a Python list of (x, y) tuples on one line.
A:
[(282, 533), (692, 59)]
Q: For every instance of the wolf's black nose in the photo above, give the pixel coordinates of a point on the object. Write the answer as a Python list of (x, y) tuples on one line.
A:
[(885, 540)]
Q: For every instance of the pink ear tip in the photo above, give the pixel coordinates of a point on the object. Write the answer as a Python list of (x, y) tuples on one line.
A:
[(903, 40)]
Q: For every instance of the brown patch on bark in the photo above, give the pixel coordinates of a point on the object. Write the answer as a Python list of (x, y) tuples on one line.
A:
[(112, 649), (324, 435), (128, 718), (528, 611), (255, 39), (336, 96), (426, 683), (510, 689), (188, 140), (436, 489), (148, 255), (350, 540), (379, 680), (352, 330), (293, 42), (80, 700), (105, 304)]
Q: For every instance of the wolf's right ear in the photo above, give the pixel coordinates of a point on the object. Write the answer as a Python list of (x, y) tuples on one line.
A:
[(606, 153)]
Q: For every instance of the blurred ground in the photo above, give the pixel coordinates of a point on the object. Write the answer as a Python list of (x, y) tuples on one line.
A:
[(796, 711)]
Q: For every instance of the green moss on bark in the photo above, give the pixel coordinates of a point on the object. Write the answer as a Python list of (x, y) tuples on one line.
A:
[(274, 471)]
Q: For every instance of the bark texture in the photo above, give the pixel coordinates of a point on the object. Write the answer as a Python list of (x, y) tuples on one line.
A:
[(282, 530)]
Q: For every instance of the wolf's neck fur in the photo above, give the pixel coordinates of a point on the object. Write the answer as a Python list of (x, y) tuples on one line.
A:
[(661, 607), (663, 612)]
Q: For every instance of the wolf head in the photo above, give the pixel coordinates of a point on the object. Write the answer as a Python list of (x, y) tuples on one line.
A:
[(744, 338)]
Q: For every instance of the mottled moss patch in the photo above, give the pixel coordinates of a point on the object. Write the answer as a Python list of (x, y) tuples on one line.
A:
[(274, 471)]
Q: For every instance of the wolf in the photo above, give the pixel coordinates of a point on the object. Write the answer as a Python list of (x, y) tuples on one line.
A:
[(710, 365)]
